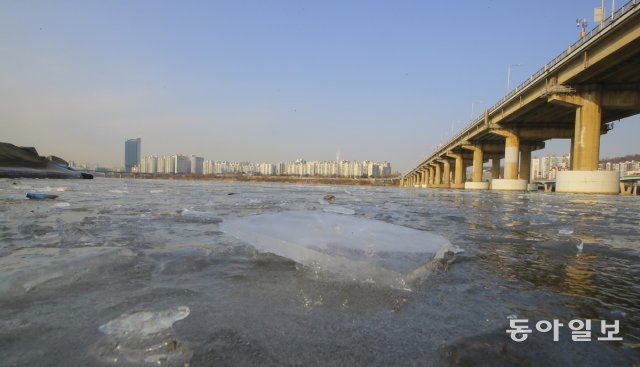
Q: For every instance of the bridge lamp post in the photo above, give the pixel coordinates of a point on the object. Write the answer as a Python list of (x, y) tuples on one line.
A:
[(509, 75), (582, 23)]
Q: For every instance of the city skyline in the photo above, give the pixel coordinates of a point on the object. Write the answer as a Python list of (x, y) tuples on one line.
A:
[(255, 82), (193, 164)]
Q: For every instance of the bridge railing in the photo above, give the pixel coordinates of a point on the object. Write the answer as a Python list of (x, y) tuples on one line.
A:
[(607, 22), (548, 66)]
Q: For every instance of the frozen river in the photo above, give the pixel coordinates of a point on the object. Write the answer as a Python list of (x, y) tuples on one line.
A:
[(154, 272)]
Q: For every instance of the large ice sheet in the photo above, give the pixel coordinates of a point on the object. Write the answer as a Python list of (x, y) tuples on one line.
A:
[(354, 248)]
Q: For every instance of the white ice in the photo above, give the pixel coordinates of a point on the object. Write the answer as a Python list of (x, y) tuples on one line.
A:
[(355, 248)]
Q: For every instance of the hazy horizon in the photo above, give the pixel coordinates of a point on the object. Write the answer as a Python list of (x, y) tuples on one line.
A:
[(271, 81)]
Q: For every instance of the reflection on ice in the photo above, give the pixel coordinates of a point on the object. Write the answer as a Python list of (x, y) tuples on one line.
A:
[(353, 248)]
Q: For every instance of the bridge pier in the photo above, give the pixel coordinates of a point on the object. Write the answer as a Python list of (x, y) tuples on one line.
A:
[(478, 161), (428, 175), (584, 176), (459, 168), (446, 173), (495, 167), (525, 166), (425, 178), (510, 182), (438, 175)]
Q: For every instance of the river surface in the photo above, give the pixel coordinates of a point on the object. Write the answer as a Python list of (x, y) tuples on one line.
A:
[(142, 272)]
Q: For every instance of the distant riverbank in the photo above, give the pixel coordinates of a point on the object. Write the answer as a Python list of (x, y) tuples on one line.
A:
[(251, 178)]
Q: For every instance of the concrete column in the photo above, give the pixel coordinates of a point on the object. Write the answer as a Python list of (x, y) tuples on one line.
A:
[(477, 165), (446, 174), (511, 157), (495, 167), (586, 149), (511, 153), (432, 176), (584, 176), (464, 172), (459, 174), (525, 162), (478, 160), (458, 177), (571, 154), (438, 176), (425, 177)]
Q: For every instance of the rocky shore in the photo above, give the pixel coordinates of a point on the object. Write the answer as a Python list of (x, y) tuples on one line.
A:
[(16, 162)]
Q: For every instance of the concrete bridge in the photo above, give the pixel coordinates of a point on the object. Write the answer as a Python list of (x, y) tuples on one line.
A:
[(575, 96), (629, 185)]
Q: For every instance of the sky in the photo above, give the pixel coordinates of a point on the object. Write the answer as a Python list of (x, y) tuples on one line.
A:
[(269, 81)]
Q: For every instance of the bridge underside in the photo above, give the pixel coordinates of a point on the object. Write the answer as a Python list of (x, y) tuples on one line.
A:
[(577, 98)]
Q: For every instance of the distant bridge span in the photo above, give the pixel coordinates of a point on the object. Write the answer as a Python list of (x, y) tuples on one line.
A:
[(575, 96)]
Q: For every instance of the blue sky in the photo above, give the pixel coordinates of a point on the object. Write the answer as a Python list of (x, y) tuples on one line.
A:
[(271, 80)]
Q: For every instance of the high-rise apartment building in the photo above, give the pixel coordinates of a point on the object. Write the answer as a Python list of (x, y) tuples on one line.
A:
[(535, 168), (550, 165), (197, 164), (182, 163), (132, 150)]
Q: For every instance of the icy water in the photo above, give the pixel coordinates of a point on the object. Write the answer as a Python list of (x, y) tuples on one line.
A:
[(141, 272)]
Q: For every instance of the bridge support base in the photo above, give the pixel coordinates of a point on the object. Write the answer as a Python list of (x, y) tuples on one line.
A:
[(476, 185), (457, 186), (509, 185), (532, 187), (588, 182)]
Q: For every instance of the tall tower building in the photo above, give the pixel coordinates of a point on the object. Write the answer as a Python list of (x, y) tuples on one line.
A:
[(132, 150)]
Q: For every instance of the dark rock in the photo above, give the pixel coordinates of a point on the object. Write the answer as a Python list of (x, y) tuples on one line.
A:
[(25, 162)]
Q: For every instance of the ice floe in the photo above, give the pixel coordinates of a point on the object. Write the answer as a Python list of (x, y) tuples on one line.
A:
[(144, 338), (354, 248)]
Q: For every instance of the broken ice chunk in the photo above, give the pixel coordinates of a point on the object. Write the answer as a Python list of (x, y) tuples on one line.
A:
[(356, 249), (143, 338), (144, 323)]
